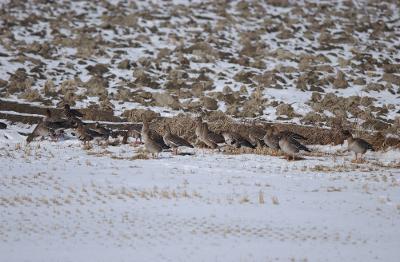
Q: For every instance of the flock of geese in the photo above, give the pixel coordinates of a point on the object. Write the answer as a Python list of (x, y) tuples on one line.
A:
[(289, 143)]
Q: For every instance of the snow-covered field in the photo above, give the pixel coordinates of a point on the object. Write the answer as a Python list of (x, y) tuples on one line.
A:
[(332, 64), (60, 202)]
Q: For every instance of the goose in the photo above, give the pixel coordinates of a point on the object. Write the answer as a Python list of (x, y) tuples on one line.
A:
[(256, 135), (271, 139), (49, 126), (134, 131), (233, 138), (86, 134), (102, 130), (357, 145), (203, 134), (55, 123), (290, 146), (42, 130), (69, 112), (213, 136), (272, 136), (292, 135), (151, 145), (174, 141), (73, 116), (122, 133)]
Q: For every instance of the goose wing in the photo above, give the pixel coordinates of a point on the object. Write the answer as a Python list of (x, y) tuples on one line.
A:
[(158, 139), (292, 135), (241, 141), (76, 113), (40, 130), (364, 144), (93, 133), (215, 138), (298, 145), (179, 141), (272, 141), (58, 124)]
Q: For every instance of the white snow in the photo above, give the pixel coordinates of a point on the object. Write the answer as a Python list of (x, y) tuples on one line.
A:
[(60, 202)]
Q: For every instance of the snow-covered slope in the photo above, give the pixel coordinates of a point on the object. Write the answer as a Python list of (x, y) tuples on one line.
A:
[(242, 57)]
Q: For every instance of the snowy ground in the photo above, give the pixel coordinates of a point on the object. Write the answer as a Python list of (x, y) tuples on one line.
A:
[(60, 202), (324, 60)]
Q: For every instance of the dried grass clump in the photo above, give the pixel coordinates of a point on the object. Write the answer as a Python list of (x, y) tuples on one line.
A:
[(275, 200), (31, 95), (96, 86), (343, 168), (135, 115), (87, 146), (230, 150), (49, 88), (140, 155), (268, 151), (19, 81), (70, 85), (261, 199)]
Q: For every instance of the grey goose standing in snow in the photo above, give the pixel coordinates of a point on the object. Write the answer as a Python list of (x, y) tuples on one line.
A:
[(134, 132), (357, 145), (55, 122), (69, 112), (271, 139), (73, 116), (41, 130), (174, 141), (235, 139), (105, 132), (49, 126), (128, 131), (290, 146), (151, 146), (86, 134), (256, 135), (215, 137), (203, 134)]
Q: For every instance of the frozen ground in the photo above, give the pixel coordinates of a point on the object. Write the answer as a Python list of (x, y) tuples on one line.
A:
[(60, 202), (310, 62)]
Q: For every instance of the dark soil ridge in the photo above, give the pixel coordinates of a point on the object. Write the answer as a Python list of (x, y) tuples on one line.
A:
[(89, 114)]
